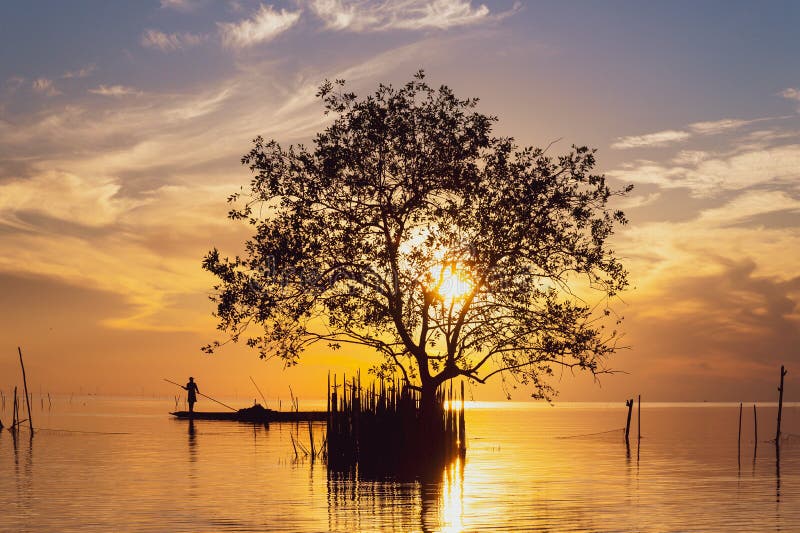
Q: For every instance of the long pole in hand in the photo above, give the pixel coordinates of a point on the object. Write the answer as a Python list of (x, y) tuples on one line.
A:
[(203, 395)]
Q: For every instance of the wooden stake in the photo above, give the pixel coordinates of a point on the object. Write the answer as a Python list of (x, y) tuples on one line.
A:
[(739, 442), (639, 419), (755, 431), (311, 439), (14, 412), (629, 405), (780, 407), (462, 434), (25, 384)]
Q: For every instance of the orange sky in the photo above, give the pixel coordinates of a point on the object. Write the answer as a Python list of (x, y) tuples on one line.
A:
[(121, 131)]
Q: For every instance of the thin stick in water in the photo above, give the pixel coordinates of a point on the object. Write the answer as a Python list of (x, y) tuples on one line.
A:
[(739, 441), (629, 405), (780, 407), (14, 411), (639, 419), (25, 384), (755, 431), (311, 439)]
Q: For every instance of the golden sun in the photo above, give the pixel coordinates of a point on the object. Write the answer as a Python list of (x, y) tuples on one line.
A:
[(451, 283)]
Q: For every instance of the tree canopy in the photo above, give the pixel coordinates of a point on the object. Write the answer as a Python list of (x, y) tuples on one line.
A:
[(409, 227)]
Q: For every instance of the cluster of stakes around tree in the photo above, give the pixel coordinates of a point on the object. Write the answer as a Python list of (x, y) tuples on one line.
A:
[(379, 431)]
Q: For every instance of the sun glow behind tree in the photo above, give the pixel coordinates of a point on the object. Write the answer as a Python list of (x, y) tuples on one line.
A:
[(453, 284)]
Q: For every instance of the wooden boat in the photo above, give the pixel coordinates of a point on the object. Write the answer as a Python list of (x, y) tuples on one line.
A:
[(256, 414)]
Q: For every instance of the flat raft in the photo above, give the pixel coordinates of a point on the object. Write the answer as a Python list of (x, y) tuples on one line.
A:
[(255, 414)]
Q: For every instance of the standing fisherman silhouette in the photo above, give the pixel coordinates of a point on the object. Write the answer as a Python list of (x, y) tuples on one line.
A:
[(192, 390)]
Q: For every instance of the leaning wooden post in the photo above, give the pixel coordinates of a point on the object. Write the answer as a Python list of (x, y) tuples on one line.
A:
[(25, 384), (780, 406), (629, 405)]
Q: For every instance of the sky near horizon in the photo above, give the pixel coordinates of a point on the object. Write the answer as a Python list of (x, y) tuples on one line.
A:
[(122, 125)]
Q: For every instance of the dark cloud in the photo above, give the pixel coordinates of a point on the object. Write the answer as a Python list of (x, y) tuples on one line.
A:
[(783, 219), (717, 336)]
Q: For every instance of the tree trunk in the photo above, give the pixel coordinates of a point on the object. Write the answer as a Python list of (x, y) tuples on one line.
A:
[(430, 415)]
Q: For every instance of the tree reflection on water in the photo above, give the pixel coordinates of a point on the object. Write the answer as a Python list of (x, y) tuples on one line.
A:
[(430, 500)]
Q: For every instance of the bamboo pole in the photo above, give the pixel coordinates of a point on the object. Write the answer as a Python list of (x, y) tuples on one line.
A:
[(203, 395), (780, 406), (259, 391), (25, 384)]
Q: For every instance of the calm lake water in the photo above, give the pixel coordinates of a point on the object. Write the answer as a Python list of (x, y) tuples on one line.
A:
[(125, 465)]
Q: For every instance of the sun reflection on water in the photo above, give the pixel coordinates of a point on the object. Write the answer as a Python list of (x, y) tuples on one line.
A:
[(452, 498)]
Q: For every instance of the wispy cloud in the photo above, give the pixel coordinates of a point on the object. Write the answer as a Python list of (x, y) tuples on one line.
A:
[(661, 138), (13, 83), (791, 94), (667, 137), (690, 157), (708, 176), (167, 42), (718, 126), (263, 26), (714, 127), (180, 5), (147, 178), (79, 73), (45, 86), (63, 196), (365, 15), (762, 139), (114, 90)]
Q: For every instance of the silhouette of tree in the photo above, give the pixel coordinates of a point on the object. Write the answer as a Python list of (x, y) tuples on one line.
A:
[(411, 229)]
